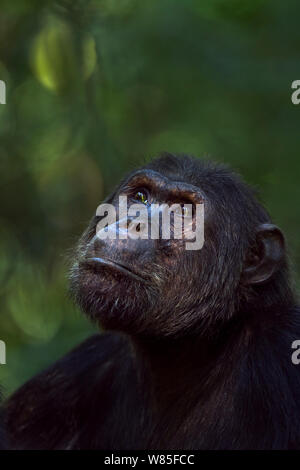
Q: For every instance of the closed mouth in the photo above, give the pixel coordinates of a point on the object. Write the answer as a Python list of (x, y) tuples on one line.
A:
[(96, 262)]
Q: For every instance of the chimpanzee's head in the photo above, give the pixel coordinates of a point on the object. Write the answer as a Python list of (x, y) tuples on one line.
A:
[(158, 287)]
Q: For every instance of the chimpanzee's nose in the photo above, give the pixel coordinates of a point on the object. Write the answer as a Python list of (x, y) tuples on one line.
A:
[(137, 228)]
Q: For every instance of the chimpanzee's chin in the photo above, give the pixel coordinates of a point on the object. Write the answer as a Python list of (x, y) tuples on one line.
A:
[(116, 303)]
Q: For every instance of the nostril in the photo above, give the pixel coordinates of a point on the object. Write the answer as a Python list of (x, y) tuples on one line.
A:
[(136, 227)]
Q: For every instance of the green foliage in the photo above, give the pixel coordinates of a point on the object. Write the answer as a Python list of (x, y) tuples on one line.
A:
[(97, 87)]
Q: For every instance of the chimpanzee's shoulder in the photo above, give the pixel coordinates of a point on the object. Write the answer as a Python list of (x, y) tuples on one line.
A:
[(50, 408), (97, 349)]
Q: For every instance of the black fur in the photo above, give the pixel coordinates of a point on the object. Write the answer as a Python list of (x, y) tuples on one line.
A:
[(195, 357), (3, 444)]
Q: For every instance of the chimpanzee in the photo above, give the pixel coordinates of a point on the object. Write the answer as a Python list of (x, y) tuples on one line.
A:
[(2, 439), (196, 350)]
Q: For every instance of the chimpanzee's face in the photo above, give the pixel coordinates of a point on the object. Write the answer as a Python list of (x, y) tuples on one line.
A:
[(130, 274), (141, 276)]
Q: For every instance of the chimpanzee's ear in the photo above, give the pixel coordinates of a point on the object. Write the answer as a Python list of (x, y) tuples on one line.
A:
[(264, 259)]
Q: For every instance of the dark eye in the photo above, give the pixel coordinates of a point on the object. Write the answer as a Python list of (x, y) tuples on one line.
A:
[(185, 210), (142, 197)]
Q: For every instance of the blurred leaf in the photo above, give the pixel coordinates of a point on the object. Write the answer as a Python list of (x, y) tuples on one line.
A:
[(55, 59)]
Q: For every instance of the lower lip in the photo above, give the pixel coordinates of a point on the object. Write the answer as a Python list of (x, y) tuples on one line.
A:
[(95, 261)]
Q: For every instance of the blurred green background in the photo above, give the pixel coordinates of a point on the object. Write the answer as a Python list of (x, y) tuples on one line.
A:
[(95, 88)]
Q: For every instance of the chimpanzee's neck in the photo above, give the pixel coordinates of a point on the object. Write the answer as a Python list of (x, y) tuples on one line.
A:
[(172, 366)]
